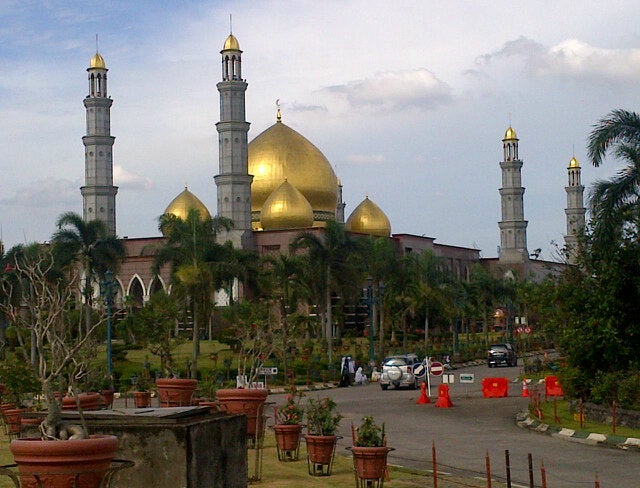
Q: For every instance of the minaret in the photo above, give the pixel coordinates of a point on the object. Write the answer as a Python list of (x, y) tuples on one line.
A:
[(513, 227), (575, 210), (340, 206), (98, 192), (233, 181)]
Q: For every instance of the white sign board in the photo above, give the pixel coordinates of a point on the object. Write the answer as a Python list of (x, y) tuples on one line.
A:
[(467, 378), (264, 371), (448, 378)]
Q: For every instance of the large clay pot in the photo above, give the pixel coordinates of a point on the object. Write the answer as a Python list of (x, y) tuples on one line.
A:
[(60, 464), (287, 441), (142, 399), (176, 392), (88, 401), (320, 452), (370, 462), (248, 401), (12, 420), (107, 398)]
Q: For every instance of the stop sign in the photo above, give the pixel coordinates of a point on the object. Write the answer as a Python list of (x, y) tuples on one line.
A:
[(436, 368)]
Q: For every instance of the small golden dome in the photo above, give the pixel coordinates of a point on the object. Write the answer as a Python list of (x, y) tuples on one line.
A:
[(281, 152), (286, 208), (231, 44), (499, 314), (368, 218), (184, 202), (510, 134), (574, 163), (97, 61)]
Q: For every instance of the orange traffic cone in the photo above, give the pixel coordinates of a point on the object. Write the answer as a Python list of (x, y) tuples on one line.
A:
[(443, 401), (423, 395), (525, 389)]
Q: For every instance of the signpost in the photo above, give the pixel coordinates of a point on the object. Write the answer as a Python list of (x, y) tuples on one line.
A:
[(437, 368), (266, 371), (467, 378)]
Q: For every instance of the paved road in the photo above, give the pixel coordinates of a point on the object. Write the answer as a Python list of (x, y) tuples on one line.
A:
[(474, 426)]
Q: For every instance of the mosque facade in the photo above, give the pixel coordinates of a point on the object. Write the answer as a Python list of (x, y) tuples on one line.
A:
[(280, 184)]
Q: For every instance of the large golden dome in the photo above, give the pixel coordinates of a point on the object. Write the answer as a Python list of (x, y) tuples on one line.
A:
[(510, 134), (184, 202), (280, 152), (97, 61), (286, 208), (368, 218)]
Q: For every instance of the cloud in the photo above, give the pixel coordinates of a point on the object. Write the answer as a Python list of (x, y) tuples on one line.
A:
[(366, 158), (45, 193), (301, 107), (124, 178), (570, 58), (393, 91)]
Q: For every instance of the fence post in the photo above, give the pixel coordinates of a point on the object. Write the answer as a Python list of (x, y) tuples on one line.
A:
[(434, 461), (597, 481), (555, 411), (531, 485), (543, 473), (508, 467), (581, 413), (488, 463), (613, 419)]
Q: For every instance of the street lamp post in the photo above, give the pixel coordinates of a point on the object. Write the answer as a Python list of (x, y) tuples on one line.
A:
[(372, 360), (108, 289)]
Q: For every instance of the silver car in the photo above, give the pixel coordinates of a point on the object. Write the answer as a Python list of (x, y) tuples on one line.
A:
[(398, 371)]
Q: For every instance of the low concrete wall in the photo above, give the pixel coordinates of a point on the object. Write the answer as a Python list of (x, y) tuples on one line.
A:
[(604, 414), (183, 447)]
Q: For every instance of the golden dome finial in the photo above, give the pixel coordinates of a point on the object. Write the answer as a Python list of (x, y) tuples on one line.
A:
[(574, 163), (510, 134), (278, 113)]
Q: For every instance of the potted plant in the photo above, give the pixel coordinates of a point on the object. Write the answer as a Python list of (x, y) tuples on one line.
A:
[(287, 427), (256, 332), (321, 438), (142, 389), (369, 450), (42, 307)]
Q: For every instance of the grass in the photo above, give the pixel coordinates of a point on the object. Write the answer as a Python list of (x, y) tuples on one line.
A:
[(567, 421)]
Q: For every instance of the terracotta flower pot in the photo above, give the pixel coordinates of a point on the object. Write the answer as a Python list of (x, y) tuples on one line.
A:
[(288, 441), (176, 392), (107, 398), (247, 401), (88, 401), (370, 463), (63, 461), (320, 451), (142, 399), (12, 420)]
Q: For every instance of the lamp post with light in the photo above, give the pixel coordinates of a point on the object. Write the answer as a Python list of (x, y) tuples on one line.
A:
[(108, 290)]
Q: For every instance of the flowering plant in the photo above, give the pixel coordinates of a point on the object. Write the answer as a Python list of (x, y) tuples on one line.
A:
[(369, 434), (291, 412), (322, 417)]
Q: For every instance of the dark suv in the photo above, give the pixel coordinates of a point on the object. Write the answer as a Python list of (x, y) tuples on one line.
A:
[(502, 354)]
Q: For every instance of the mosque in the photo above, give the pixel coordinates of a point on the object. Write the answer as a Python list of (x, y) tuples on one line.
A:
[(279, 184)]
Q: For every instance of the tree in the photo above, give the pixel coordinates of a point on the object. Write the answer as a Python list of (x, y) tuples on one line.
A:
[(46, 298), (330, 255), (614, 202), (89, 244), (193, 254)]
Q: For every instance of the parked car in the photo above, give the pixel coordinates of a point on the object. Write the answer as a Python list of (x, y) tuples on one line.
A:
[(501, 354), (397, 370)]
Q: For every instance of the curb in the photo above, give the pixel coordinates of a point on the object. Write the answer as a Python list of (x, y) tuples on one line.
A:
[(312, 387), (525, 421)]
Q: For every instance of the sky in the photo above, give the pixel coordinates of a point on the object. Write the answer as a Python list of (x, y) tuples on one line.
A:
[(409, 101)]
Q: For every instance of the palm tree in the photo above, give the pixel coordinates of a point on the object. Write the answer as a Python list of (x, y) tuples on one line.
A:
[(88, 243), (330, 256), (192, 252), (614, 202)]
